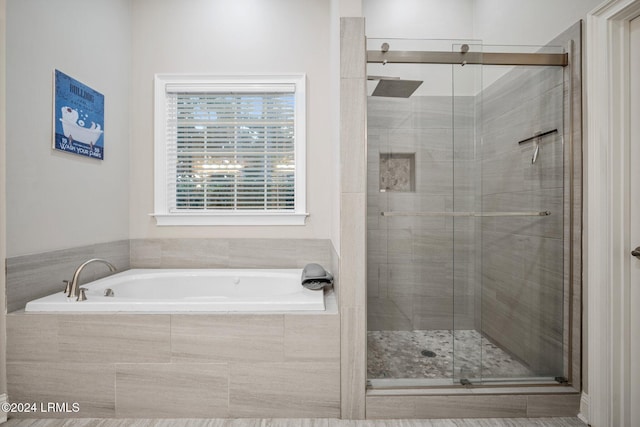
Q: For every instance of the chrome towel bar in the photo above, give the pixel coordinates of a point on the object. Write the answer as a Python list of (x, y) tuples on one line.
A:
[(466, 214), (540, 135)]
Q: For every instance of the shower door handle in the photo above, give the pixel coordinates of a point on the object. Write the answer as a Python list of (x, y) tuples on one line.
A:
[(636, 252)]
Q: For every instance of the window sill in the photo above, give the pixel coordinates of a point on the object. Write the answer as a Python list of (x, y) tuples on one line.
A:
[(242, 218)]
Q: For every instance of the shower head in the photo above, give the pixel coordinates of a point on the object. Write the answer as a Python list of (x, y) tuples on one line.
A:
[(396, 88)]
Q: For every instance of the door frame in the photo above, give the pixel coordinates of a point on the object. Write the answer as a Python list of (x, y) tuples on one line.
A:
[(607, 212)]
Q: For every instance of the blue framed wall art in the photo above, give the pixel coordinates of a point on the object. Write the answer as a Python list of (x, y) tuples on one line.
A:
[(78, 115)]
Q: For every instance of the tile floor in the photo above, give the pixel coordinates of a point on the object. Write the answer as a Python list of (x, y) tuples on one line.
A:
[(400, 354), (307, 422)]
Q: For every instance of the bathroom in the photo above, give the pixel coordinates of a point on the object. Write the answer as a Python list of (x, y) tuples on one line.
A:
[(86, 208)]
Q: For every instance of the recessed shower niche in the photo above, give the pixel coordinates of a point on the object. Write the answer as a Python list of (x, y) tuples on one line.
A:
[(397, 172)]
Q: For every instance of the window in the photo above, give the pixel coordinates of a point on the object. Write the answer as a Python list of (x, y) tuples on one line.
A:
[(229, 150)]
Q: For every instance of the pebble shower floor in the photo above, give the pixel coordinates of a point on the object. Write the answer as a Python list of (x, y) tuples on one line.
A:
[(405, 354)]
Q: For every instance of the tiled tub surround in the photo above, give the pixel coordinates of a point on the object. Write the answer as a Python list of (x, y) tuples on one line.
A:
[(230, 253), (174, 365), (178, 365), (33, 276)]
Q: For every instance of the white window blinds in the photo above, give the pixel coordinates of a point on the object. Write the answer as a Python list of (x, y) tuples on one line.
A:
[(229, 147), (231, 151)]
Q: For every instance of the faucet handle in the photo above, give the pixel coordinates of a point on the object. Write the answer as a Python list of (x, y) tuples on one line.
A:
[(67, 286), (81, 295)]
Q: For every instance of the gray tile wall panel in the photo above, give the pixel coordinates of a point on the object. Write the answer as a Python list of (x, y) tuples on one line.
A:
[(33, 276)]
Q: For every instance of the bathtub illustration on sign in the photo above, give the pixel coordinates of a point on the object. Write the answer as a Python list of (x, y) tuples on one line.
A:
[(74, 129)]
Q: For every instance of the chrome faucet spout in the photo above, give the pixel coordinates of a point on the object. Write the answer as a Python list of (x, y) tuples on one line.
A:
[(73, 288)]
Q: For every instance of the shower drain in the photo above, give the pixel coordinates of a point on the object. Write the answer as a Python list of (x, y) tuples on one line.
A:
[(428, 353)]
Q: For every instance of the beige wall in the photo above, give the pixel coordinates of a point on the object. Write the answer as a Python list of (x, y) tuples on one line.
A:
[(535, 23), (502, 22), (419, 19), (3, 254), (88, 201), (508, 22), (253, 36), (58, 200)]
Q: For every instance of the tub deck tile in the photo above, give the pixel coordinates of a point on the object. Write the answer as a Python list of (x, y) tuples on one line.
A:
[(91, 385), (32, 338), (114, 337), (291, 389), (227, 337), (312, 337), (172, 390)]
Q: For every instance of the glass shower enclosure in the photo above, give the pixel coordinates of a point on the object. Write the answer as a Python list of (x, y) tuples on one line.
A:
[(466, 215)]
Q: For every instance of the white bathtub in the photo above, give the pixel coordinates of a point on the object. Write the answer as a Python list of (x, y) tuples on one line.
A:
[(79, 133), (194, 290)]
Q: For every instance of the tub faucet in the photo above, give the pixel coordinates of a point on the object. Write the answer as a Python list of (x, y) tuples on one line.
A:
[(73, 286)]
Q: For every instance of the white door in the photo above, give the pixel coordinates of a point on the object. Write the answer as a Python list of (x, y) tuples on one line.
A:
[(634, 290)]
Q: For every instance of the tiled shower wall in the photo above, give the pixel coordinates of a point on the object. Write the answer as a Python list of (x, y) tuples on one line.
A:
[(421, 268), (522, 265), (531, 271), (410, 277)]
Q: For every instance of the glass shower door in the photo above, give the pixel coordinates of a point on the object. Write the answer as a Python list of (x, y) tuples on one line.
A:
[(514, 330), (465, 220), (410, 227)]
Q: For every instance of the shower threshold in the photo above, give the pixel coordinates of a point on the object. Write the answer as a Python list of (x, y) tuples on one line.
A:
[(401, 387), (488, 383)]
